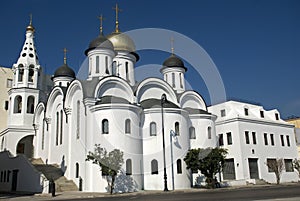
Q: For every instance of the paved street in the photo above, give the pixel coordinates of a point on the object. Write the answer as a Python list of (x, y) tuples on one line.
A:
[(257, 193)]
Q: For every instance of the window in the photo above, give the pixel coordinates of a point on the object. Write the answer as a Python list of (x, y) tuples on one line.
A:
[(127, 126), (97, 64), (177, 128), (266, 138), (229, 138), (127, 70), (43, 135), (61, 126), (254, 137), (78, 120), (105, 126), (166, 78), (246, 111), (270, 163), (282, 140), (30, 105), (272, 139), (30, 73), (221, 141), (152, 129), (18, 104), (6, 105), (288, 163), (209, 132), (154, 167), (128, 167), (192, 133), (106, 65), (288, 141), (1, 178), (179, 167), (9, 83), (223, 113), (247, 137), (21, 73), (173, 79), (2, 144), (276, 116), (114, 68), (57, 128), (180, 77), (77, 170), (262, 115)]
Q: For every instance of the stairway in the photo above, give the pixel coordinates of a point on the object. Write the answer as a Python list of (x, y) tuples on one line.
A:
[(53, 172)]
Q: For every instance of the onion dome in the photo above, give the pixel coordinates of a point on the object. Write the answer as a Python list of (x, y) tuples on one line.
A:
[(173, 61), (30, 27), (121, 42), (64, 71), (100, 42)]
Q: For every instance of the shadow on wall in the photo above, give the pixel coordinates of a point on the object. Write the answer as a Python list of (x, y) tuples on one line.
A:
[(124, 184)]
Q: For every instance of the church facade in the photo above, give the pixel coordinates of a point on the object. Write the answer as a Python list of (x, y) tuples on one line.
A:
[(61, 122)]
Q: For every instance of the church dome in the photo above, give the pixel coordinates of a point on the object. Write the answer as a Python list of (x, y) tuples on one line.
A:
[(121, 42), (101, 41), (173, 61), (64, 71)]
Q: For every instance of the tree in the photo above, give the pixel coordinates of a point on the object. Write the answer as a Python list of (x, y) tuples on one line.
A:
[(209, 161), (296, 164), (110, 163), (276, 166)]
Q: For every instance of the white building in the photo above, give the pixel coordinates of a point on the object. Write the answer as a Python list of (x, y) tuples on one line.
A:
[(253, 136), (111, 108)]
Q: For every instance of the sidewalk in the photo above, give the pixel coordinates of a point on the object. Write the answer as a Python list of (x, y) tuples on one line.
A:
[(82, 195)]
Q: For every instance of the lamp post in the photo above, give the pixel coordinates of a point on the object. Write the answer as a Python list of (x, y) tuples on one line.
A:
[(163, 100)]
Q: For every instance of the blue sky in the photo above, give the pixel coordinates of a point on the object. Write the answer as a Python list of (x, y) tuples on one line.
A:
[(255, 44)]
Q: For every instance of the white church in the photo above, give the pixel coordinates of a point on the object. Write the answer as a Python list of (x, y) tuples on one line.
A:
[(53, 125)]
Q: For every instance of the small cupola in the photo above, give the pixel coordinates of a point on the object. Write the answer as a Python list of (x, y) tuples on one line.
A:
[(64, 74), (173, 70)]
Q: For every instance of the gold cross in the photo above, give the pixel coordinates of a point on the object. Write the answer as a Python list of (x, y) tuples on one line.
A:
[(101, 18), (117, 9), (172, 45), (65, 56)]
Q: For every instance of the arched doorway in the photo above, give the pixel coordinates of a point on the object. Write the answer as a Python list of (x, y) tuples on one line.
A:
[(25, 146)]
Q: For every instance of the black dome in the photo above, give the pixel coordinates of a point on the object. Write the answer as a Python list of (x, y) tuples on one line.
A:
[(64, 71), (100, 41), (173, 61)]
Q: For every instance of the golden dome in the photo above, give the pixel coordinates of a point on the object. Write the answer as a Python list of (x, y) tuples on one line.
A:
[(30, 28), (121, 42)]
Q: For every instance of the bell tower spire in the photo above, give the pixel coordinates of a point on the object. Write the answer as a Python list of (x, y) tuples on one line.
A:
[(27, 67)]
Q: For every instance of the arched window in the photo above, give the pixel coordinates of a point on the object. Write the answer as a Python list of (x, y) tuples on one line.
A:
[(61, 126), (21, 73), (57, 128), (105, 126), (2, 144), (30, 104), (18, 104), (106, 65), (173, 79), (128, 167), (177, 128), (180, 77), (152, 129), (166, 77), (127, 126), (77, 170), (127, 70), (154, 167), (179, 167), (192, 133), (114, 68), (78, 121), (97, 64), (209, 132), (90, 64), (30, 73), (43, 135)]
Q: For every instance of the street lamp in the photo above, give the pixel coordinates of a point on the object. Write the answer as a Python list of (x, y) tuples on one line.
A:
[(163, 101)]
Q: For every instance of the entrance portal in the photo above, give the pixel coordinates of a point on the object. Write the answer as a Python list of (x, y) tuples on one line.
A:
[(253, 168), (25, 146)]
